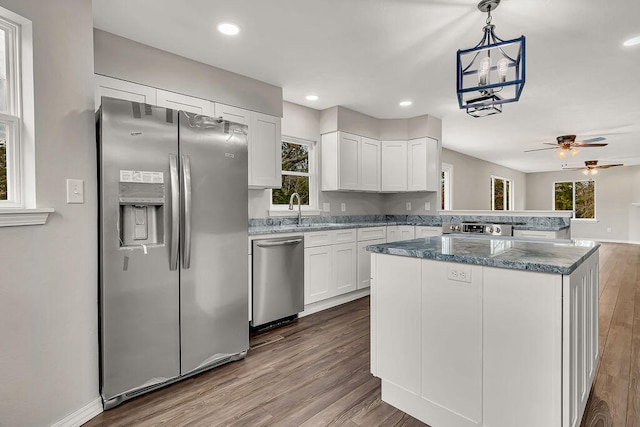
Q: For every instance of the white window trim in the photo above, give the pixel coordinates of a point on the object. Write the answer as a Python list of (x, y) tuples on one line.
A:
[(510, 195), (22, 210), (312, 208), (447, 169), (573, 201)]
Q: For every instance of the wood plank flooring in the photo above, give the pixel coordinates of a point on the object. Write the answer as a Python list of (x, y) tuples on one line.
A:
[(315, 371)]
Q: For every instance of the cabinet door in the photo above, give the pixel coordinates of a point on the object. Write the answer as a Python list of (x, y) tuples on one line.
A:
[(392, 233), (265, 163), (348, 157), (233, 114), (417, 165), (318, 280), (433, 165), (406, 232), (394, 166), (370, 176), (121, 89), (344, 267), (425, 231), (181, 102), (364, 262)]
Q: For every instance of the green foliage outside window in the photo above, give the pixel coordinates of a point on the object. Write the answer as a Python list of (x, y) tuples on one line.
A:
[(295, 174), (585, 201), (3, 171)]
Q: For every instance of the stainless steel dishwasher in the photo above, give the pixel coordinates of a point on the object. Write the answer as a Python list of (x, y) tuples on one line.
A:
[(278, 279)]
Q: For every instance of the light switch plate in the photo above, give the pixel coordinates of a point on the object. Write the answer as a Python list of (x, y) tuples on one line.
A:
[(343, 207), (326, 207), (427, 206), (408, 206), (75, 191)]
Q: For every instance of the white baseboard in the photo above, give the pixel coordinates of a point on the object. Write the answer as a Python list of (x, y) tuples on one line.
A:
[(631, 242), (82, 415), (333, 302)]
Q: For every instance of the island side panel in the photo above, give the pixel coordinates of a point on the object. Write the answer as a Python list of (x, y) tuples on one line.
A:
[(395, 346), (522, 348), (580, 310)]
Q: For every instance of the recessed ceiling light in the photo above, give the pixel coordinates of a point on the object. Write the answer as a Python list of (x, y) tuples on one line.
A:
[(632, 42), (312, 97), (405, 103), (228, 28)]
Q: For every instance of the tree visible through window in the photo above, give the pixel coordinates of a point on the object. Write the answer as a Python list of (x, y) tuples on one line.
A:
[(578, 196), (501, 194), (296, 174)]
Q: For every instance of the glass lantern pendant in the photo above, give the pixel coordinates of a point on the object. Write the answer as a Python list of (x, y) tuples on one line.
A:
[(492, 73)]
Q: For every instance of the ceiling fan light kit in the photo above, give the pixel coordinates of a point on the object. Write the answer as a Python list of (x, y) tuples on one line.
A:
[(591, 167), (493, 72)]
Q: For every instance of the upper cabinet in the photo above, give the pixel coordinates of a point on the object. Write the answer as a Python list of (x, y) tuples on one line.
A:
[(394, 166), (121, 89), (264, 132), (350, 162), (410, 165)]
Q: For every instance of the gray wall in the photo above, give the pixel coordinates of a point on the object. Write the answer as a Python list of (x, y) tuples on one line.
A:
[(48, 279), (616, 190), (472, 182), (125, 59)]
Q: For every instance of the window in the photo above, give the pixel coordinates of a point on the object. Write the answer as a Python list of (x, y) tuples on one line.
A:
[(576, 196), (298, 174), (446, 182), (17, 160), (501, 194)]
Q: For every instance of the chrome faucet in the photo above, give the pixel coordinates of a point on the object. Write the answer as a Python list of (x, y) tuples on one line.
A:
[(299, 207)]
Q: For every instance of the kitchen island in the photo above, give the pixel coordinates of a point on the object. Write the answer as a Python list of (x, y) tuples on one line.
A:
[(485, 331)]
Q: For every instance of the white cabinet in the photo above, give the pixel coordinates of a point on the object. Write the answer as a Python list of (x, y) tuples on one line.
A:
[(350, 162), (370, 164), (410, 165), (368, 236), (121, 89), (181, 102), (394, 166), (232, 114), (539, 234), (400, 232), (330, 259), (265, 162), (427, 231)]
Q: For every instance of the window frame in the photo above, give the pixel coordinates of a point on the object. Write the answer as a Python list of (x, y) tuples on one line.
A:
[(447, 196), (509, 195), (19, 115), (312, 208), (573, 199)]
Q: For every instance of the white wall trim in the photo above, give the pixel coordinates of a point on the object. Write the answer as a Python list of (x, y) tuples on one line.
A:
[(334, 302), (82, 415), (631, 242), (18, 217)]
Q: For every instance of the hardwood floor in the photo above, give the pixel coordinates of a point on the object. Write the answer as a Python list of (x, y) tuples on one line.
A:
[(315, 371)]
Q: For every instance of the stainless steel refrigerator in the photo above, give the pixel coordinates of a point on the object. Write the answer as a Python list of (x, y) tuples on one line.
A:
[(173, 246)]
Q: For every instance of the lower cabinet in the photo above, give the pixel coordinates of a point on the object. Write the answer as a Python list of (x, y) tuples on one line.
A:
[(400, 232), (366, 237), (330, 259), (539, 234), (427, 231)]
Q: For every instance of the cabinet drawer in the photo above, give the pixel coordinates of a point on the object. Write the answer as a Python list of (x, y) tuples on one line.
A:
[(317, 238), (344, 236), (535, 233), (371, 233)]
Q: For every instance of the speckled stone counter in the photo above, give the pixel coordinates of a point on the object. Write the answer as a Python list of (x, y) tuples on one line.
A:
[(550, 256)]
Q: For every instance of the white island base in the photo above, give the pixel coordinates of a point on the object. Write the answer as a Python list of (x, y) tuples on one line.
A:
[(459, 345)]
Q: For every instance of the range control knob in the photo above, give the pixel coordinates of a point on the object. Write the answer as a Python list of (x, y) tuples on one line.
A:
[(456, 228), (497, 230), (489, 229)]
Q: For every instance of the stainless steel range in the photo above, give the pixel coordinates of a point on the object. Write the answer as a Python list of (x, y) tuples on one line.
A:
[(492, 229)]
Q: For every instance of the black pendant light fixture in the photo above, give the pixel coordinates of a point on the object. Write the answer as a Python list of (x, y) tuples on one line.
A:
[(493, 72)]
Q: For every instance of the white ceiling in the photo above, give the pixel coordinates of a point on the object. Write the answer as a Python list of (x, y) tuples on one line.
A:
[(368, 55)]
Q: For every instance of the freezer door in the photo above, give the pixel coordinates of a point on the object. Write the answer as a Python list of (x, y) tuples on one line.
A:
[(214, 271), (139, 293)]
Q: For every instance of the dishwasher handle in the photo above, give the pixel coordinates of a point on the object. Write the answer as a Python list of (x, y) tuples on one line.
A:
[(267, 244)]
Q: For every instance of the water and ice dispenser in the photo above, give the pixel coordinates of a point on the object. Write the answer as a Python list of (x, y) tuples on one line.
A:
[(142, 203)]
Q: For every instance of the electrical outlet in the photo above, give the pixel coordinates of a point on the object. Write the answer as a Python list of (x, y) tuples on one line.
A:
[(343, 207), (408, 206), (326, 207), (427, 206), (75, 191), (459, 273)]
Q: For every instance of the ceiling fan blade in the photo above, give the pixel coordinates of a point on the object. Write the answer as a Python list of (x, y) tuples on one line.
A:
[(581, 144), (596, 139), (552, 143), (608, 166), (572, 169), (540, 149)]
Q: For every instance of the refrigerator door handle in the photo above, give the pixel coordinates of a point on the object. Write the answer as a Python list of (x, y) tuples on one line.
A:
[(186, 194), (175, 211)]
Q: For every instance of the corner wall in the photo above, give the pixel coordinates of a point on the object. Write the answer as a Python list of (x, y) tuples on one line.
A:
[(48, 273)]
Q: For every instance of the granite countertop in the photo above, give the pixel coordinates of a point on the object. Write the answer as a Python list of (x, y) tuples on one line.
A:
[(305, 228), (550, 256)]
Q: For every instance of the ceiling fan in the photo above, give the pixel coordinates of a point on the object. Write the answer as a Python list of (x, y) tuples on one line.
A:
[(568, 143), (591, 167)]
